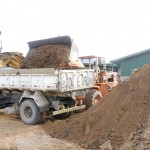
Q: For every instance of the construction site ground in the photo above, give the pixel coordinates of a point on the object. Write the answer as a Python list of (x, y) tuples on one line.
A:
[(15, 135), (120, 121)]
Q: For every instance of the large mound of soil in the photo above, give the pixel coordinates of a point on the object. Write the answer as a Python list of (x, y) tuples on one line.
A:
[(53, 56), (120, 121)]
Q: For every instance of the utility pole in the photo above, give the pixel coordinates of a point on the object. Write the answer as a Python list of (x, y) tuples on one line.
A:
[(0, 42)]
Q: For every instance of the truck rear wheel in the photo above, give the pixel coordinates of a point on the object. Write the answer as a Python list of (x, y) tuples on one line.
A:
[(29, 112), (92, 97)]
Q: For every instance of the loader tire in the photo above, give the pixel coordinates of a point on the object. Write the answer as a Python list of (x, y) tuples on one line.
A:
[(29, 112), (92, 97)]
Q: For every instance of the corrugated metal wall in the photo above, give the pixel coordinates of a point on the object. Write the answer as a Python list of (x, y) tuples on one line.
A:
[(134, 63)]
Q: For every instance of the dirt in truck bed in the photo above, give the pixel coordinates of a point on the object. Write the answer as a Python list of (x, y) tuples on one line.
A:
[(120, 121), (53, 56)]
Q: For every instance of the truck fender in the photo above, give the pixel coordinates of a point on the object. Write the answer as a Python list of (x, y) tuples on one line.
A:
[(37, 97)]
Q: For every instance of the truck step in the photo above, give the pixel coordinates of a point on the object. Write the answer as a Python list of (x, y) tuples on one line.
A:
[(66, 110)]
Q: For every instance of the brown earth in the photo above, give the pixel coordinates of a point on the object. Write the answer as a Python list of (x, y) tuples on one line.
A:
[(53, 56), (120, 121), (14, 135)]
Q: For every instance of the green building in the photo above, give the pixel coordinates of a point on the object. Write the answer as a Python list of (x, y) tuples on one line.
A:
[(128, 64)]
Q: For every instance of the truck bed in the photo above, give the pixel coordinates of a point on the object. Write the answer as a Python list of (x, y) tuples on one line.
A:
[(46, 79)]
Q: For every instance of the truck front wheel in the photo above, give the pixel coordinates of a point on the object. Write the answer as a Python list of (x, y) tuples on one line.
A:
[(29, 112)]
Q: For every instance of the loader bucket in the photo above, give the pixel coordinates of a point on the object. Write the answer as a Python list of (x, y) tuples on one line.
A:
[(60, 40), (58, 52)]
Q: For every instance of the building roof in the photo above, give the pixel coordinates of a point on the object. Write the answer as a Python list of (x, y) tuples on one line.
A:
[(119, 60)]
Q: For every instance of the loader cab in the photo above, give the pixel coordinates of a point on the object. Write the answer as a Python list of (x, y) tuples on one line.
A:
[(96, 63), (93, 62), (101, 74)]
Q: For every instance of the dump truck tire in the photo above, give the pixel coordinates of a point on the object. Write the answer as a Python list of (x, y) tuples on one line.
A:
[(29, 112), (92, 97), (42, 117)]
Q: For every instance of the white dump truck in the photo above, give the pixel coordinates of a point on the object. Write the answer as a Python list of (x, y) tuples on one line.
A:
[(40, 92), (31, 92)]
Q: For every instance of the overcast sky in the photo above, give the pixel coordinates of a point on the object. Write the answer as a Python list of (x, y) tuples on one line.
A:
[(109, 28)]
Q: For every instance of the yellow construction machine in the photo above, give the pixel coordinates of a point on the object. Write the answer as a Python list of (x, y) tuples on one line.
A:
[(10, 59)]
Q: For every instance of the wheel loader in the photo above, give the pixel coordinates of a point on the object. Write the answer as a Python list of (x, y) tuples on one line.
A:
[(36, 93), (104, 80)]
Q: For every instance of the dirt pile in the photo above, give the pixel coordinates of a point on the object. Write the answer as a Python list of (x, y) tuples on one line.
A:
[(11, 59), (53, 56), (120, 121)]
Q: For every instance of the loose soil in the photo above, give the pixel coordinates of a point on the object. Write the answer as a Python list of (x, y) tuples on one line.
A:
[(14, 135), (120, 121), (52, 56)]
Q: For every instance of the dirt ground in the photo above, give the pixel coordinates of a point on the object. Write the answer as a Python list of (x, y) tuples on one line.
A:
[(14, 135)]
